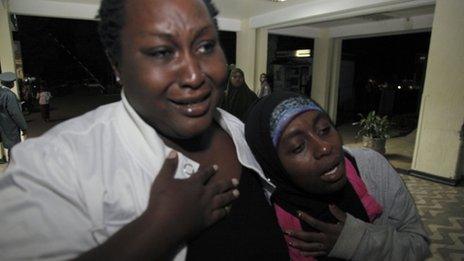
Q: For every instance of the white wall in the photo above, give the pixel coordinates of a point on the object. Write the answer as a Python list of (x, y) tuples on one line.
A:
[(442, 107), (6, 43), (245, 52), (323, 64), (261, 56)]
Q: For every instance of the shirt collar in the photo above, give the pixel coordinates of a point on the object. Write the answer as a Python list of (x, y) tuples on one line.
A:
[(150, 146)]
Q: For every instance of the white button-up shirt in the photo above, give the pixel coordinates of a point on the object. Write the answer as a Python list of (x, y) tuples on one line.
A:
[(72, 188)]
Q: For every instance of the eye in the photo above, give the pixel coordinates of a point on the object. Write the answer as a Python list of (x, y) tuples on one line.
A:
[(206, 47), (325, 130), (161, 52), (298, 148)]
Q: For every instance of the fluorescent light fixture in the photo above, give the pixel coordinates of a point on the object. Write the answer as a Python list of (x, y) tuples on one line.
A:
[(303, 53)]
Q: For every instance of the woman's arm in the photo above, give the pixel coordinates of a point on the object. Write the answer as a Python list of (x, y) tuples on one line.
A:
[(177, 211), (402, 237), (44, 215), (398, 234)]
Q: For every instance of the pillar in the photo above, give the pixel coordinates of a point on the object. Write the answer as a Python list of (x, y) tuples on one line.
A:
[(437, 151)]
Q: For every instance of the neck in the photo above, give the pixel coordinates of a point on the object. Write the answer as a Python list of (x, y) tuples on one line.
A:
[(197, 143)]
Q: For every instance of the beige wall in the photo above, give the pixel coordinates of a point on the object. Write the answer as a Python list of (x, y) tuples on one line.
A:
[(322, 61), (442, 107), (261, 56), (6, 42), (245, 52), (334, 78)]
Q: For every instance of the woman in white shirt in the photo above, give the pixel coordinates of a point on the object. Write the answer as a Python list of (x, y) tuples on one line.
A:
[(43, 95), (155, 176)]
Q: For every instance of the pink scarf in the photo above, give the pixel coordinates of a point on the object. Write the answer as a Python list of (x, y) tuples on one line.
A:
[(373, 209)]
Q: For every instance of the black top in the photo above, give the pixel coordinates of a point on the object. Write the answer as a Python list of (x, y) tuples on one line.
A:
[(249, 232)]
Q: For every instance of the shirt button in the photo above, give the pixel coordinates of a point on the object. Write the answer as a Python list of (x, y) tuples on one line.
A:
[(188, 169)]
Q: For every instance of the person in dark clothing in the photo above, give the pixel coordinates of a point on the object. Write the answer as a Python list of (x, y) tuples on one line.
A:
[(333, 203), (12, 121), (238, 96)]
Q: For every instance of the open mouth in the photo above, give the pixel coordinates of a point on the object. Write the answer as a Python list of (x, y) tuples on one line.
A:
[(194, 106), (333, 174)]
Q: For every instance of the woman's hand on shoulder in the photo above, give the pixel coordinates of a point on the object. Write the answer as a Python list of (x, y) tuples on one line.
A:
[(187, 206), (320, 242)]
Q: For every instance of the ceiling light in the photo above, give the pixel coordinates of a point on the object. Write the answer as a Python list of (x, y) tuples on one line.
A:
[(303, 53), (277, 0)]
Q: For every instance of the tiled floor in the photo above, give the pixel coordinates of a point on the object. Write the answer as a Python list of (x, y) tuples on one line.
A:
[(442, 210), (441, 206)]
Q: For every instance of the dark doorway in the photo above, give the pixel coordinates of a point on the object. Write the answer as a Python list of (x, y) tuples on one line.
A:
[(285, 68), (387, 76)]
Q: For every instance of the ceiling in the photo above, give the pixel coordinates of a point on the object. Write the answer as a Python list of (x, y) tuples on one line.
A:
[(316, 14), (236, 9), (240, 9), (407, 13)]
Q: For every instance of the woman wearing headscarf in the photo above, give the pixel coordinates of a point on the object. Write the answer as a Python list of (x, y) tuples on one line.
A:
[(238, 96), (331, 202), (265, 87)]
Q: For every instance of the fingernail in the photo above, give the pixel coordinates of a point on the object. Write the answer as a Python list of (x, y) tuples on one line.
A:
[(172, 154), (236, 193), (288, 232), (300, 214), (290, 243), (235, 182), (215, 167)]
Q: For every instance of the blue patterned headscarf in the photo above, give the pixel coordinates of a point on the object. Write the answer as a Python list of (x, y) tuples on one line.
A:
[(285, 111), (266, 121)]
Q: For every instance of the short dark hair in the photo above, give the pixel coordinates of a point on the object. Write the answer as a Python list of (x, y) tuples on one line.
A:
[(111, 15)]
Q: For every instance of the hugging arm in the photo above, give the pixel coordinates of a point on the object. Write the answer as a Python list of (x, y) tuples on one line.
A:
[(398, 234)]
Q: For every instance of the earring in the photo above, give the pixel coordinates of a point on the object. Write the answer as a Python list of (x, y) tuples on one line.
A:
[(117, 78)]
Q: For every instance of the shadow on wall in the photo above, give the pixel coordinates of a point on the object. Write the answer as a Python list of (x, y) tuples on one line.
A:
[(460, 163)]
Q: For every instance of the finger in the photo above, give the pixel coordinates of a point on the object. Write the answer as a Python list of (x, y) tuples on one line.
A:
[(316, 253), (318, 225), (221, 186), (218, 214), (306, 246), (224, 199), (204, 174), (337, 213), (169, 167), (305, 236)]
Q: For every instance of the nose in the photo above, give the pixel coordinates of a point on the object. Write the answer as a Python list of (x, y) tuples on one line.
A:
[(190, 74), (321, 148)]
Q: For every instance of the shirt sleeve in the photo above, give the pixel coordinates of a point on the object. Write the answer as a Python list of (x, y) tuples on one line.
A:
[(397, 235), (15, 112), (43, 216)]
